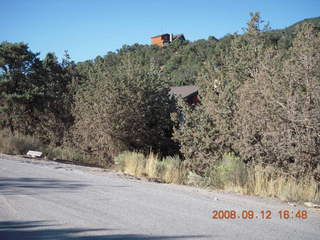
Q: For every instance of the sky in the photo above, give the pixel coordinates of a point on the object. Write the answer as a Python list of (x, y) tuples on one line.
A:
[(88, 28)]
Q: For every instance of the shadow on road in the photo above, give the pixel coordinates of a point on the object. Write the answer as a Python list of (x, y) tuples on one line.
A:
[(10, 186), (35, 230)]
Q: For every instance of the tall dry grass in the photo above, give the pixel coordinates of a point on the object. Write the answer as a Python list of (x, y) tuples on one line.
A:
[(69, 154), (172, 170), (231, 174), (169, 169), (268, 182), (17, 143)]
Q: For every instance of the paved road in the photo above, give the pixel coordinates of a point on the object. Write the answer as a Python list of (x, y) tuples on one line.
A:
[(49, 200)]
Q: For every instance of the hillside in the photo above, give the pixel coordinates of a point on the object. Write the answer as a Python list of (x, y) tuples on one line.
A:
[(315, 21), (182, 61)]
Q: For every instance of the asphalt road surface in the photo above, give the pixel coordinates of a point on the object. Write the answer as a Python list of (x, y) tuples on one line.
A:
[(48, 200)]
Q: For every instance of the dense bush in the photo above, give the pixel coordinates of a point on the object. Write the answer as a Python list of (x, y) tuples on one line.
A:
[(197, 136), (278, 121), (126, 109), (260, 103), (35, 96)]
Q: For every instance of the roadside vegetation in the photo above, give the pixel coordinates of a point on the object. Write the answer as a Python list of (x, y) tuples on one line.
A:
[(168, 169), (256, 130)]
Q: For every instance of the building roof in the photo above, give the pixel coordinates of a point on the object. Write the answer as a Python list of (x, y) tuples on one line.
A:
[(183, 91), (160, 35)]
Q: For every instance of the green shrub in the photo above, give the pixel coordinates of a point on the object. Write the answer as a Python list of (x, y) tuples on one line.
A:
[(230, 172), (113, 104)]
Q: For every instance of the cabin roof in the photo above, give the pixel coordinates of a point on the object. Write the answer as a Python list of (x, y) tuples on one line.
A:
[(160, 35), (183, 91)]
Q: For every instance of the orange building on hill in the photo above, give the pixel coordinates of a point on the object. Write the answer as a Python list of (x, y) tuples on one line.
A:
[(166, 38), (160, 40)]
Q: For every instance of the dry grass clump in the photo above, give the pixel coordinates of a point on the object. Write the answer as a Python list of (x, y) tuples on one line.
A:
[(268, 182), (169, 169), (72, 155), (132, 163), (233, 175), (151, 165), (18, 143), (172, 170)]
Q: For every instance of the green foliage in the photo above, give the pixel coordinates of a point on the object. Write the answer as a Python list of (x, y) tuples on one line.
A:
[(197, 135), (34, 94), (230, 172), (125, 109), (221, 77), (208, 131), (259, 102), (278, 116), (17, 89)]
